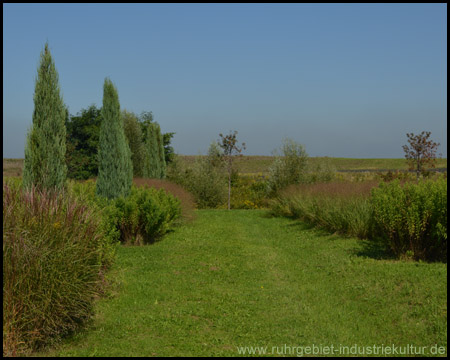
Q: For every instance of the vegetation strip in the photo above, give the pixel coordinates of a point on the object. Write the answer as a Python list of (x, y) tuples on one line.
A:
[(239, 278)]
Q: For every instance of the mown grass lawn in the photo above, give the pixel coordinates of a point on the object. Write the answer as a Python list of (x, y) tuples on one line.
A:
[(238, 278)]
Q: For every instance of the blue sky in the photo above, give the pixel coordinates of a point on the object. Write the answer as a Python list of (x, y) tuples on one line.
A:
[(344, 80)]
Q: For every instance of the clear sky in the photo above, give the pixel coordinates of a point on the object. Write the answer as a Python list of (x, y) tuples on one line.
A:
[(344, 80)]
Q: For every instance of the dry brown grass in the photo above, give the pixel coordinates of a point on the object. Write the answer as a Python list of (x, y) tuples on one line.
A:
[(186, 198), (12, 167)]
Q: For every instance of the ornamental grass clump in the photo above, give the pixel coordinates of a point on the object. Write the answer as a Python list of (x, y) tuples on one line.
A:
[(52, 266), (338, 207)]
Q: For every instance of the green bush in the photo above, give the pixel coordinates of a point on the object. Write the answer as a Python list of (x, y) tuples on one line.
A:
[(413, 218), (52, 266), (142, 217), (146, 215), (248, 192), (289, 166), (84, 192), (204, 180)]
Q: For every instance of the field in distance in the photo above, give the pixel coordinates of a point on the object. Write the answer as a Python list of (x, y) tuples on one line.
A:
[(261, 164)]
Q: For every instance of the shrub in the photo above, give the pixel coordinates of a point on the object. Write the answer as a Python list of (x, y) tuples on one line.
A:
[(249, 192), (85, 193), (205, 181), (413, 218), (145, 215), (142, 217), (289, 167), (52, 266), (186, 199)]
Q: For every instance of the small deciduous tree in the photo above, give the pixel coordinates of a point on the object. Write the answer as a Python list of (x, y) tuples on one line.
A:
[(115, 170), (82, 140), (169, 152), (45, 163), (289, 167), (230, 149), (421, 154)]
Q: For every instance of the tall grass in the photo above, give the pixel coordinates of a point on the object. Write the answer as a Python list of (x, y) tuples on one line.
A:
[(338, 207), (410, 218), (52, 266)]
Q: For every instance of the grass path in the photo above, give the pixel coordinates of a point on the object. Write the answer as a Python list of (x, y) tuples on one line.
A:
[(238, 278)]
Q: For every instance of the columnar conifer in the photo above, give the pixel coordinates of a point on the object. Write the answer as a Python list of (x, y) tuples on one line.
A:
[(133, 134), (161, 154), (115, 171), (44, 164), (152, 167)]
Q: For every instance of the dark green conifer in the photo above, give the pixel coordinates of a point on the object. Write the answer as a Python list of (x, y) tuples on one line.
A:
[(161, 154)]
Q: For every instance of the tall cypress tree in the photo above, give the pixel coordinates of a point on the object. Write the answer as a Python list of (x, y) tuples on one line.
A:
[(44, 164), (115, 171), (133, 134), (152, 167), (161, 154)]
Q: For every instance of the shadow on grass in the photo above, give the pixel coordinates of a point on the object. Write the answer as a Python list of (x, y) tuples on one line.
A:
[(373, 249)]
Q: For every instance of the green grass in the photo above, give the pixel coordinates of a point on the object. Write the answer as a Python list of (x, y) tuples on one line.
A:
[(238, 278)]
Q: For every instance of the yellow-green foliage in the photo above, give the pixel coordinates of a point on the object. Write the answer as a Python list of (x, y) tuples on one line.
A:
[(413, 217), (249, 192)]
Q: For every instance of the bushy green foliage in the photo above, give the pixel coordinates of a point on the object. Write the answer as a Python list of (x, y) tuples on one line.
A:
[(84, 192), (115, 172), (146, 215), (168, 149), (142, 217), (44, 164), (205, 181), (412, 218), (249, 192), (289, 166), (52, 265), (82, 140)]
